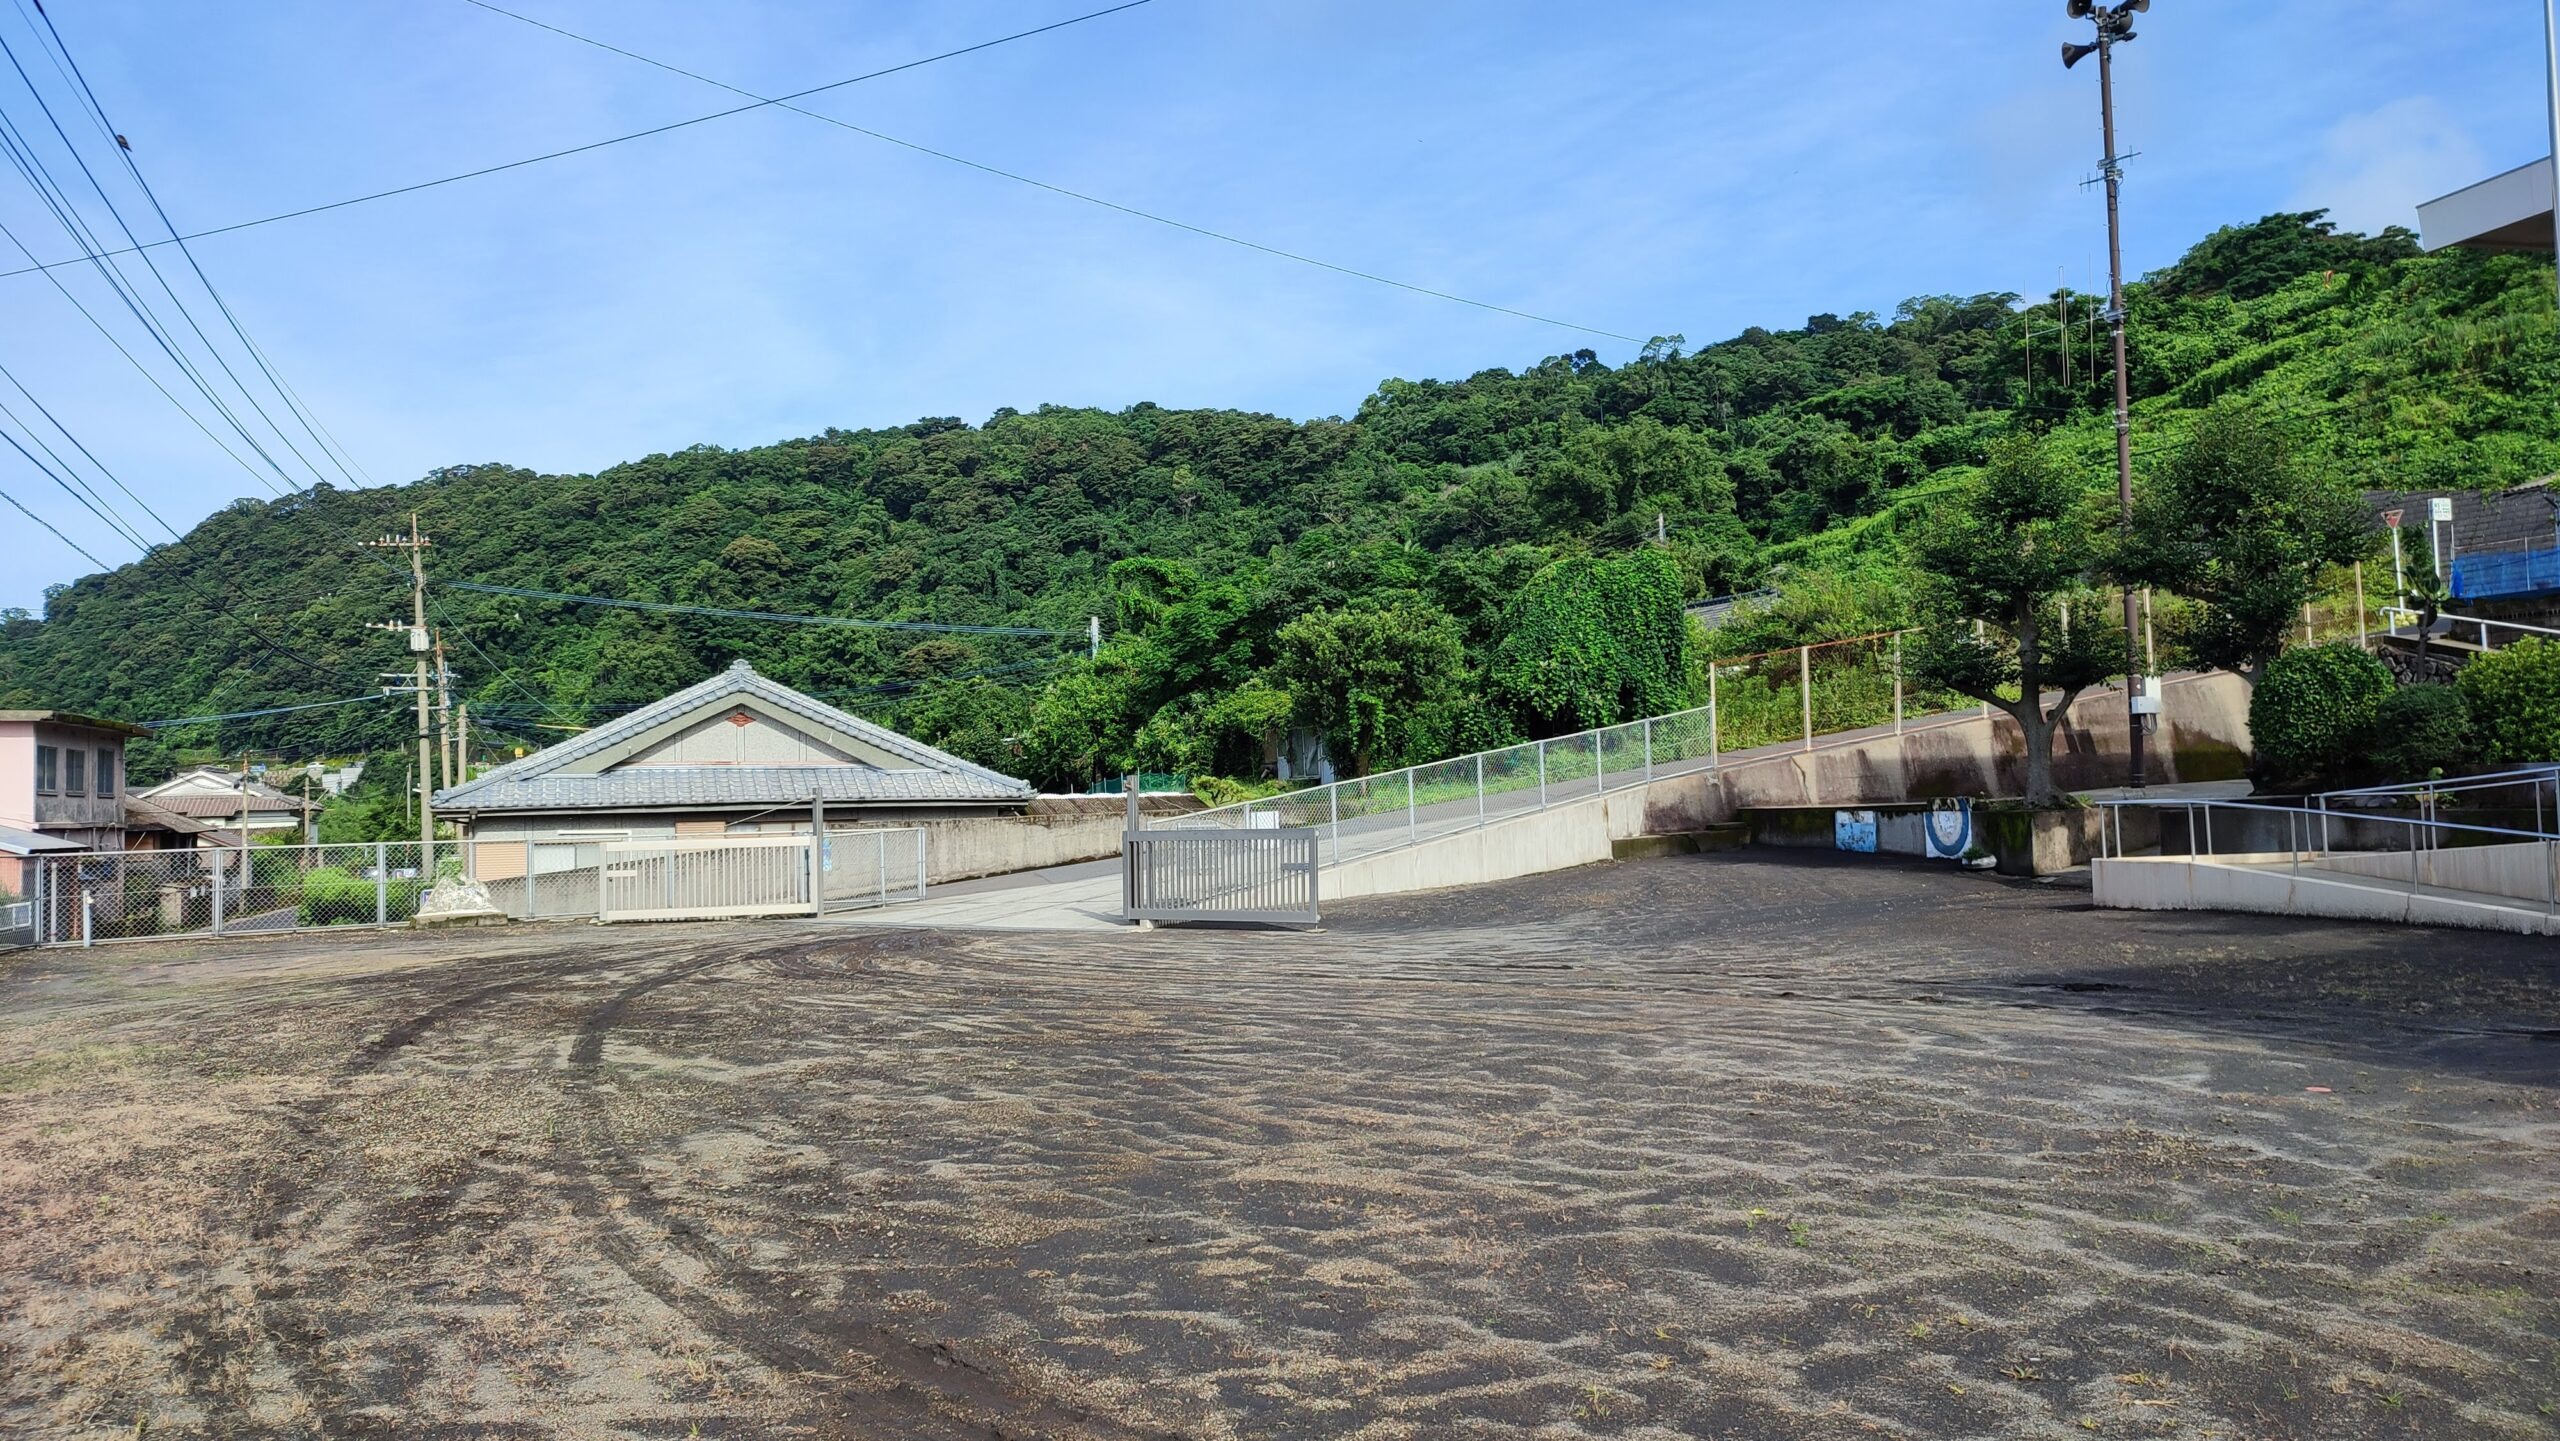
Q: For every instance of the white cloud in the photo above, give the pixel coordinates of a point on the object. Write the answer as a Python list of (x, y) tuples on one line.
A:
[(2374, 168)]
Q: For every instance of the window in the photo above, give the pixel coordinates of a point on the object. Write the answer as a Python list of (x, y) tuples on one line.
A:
[(48, 777), (106, 773), (75, 772)]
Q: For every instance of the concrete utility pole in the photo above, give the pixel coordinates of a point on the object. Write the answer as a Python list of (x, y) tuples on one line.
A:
[(444, 712), (2115, 27), (416, 545)]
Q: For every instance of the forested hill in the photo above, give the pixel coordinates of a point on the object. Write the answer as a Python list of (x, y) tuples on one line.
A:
[(1382, 577)]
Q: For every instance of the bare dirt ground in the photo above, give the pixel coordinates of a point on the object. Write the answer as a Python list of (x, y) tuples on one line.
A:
[(1694, 1147)]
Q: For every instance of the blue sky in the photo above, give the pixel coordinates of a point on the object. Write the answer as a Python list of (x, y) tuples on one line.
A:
[(1639, 167)]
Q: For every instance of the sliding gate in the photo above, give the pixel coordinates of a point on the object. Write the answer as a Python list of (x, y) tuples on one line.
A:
[(735, 876), (1266, 876)]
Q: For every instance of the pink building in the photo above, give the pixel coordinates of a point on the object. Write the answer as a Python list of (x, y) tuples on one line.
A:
[(61, 786)]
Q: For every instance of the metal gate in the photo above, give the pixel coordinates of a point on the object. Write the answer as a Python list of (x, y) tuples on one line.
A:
[(1265, 876), (735, 876), (700, 880), (17, 924)]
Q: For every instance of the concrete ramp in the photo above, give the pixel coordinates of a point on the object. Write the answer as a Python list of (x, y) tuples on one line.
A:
[(2433, 888)]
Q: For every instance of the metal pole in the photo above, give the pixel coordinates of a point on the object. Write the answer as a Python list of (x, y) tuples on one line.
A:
[(88, 916), (1648, 748), (220, 863), (382, 882), (1333, 806), (2361, 638), (1715, 754), (1897, 682), (2551, 61), (1479, 790), (2113, 169), (923, 842), (1412, 821), (1804, 689), (1542, 775), (1599, 765)]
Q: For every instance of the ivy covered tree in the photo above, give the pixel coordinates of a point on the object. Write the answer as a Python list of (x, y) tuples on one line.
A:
[(2006, 555), (2238, 520), (1594, 641)]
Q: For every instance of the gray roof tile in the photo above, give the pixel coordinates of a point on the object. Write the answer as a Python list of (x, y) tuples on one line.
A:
[(535, 782)]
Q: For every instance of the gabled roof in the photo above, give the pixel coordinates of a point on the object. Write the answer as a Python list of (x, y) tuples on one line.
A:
[(223, 785), (581, 774), (140, 814)]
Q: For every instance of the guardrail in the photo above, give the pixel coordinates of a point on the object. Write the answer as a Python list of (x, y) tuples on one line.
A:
[(2307, 842)]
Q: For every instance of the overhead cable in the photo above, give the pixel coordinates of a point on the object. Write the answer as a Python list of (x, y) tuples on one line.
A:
[(602, 144), (1060, 190), (845, 622)]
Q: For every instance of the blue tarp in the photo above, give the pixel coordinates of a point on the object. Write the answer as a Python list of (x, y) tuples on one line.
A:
[(2487, 574)]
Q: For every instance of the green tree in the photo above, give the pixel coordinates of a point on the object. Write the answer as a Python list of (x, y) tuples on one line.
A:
[(1592, 642), (2237, 521), (975, 719), (1380, 677), (2007, 553)]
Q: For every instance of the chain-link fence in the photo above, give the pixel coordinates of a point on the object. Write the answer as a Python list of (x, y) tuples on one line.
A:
[(89, 897)]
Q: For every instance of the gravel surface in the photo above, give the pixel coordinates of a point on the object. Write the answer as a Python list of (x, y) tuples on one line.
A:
[(1701, 1146)]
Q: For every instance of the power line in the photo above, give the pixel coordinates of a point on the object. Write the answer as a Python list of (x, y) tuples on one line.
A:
[(239, 715), (845, 622), (615, 140), (57, 535), (1077, 195)]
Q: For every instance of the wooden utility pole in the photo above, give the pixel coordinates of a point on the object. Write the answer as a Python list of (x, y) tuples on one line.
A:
[(419, 646)]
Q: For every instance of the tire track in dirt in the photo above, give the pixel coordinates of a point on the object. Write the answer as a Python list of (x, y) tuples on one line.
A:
[(916, 1390), (274, 1315)]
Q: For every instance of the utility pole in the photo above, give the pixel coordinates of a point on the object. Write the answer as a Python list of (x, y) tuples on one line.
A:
[(444, 711), (416, 545), (2115, 27)]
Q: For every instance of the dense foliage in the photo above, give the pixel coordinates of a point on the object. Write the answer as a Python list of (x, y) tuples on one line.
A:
[(2314, 711), (1356, 577), (2419, 732), (2514, 700)]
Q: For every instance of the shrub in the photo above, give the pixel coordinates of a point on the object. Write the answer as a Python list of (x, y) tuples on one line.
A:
[(2419, 731), (332, 896), (2315, 707), (2514, 695)]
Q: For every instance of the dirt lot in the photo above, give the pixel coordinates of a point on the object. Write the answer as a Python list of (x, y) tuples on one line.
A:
[(1689, 1147)]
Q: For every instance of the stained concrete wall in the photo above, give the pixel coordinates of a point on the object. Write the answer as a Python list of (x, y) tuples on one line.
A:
[(2203, 735)]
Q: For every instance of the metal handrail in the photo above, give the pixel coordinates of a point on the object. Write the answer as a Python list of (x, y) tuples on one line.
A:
[(2305, 813), (2451, 785)]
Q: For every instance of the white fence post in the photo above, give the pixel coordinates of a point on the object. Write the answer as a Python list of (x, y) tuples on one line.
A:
[(219, 865), (1542, 775), (88, 912), (1412, 820), (381, 884), (922, 840), (1479, 790), (1599, 765), (1648, 748), (1333, 806)]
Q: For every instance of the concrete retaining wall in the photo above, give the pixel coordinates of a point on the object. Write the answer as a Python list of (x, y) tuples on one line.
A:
[(2204, 735), (2147, 883)]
